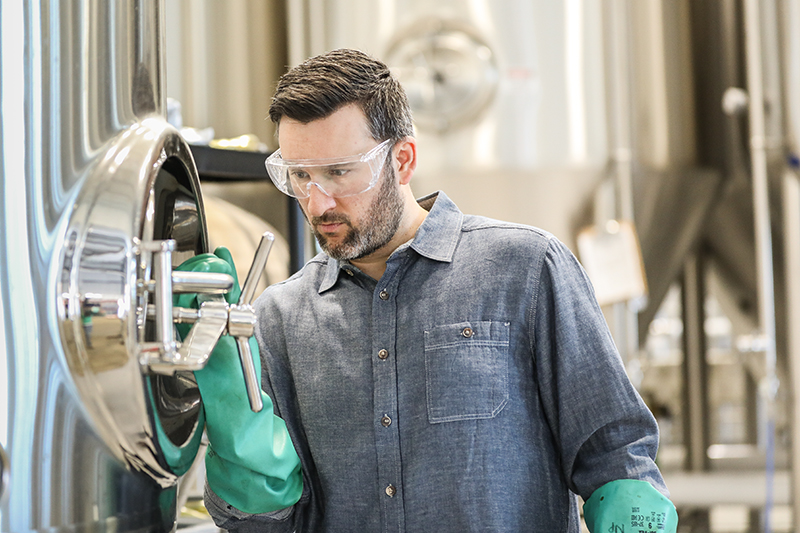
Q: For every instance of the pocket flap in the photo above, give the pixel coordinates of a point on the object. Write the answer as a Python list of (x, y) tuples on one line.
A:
[(466, 367)]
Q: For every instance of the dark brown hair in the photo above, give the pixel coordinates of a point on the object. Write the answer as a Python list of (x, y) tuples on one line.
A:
[(321, 85)]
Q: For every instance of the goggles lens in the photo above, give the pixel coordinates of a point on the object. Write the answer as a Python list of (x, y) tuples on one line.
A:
[(336, 177)]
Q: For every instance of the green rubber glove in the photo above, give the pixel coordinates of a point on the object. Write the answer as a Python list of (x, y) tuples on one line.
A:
[(629, 505), (251, 462)]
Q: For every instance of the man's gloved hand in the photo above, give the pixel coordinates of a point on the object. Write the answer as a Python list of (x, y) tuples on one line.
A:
[(250, 462), (629, 505)]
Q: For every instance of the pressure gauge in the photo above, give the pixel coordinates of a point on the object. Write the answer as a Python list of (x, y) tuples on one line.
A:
[(448, 71)]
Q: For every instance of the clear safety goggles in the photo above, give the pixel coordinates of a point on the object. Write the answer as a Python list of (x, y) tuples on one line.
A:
[(336, 177)]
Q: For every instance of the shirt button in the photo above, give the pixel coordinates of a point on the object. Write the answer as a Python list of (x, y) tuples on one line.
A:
[(384, 295), (467, 332), (383, 354), (391, 491), (386, 421), (349, 272)]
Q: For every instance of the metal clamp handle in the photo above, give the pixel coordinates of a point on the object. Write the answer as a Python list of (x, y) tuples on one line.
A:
[(242, 339), (256, 269), (161, 285), (214, 318)]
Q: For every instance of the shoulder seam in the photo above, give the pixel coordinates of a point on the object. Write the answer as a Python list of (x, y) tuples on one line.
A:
[(300, 273), (507, 225), (532, 314)]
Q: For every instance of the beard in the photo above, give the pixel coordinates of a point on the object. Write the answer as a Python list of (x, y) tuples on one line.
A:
[(375, 231)]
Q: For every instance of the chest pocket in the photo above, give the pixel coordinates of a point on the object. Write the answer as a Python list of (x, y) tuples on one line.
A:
[(466, 366)]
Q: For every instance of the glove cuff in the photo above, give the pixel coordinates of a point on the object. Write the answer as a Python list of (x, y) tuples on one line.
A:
[(630, 504)]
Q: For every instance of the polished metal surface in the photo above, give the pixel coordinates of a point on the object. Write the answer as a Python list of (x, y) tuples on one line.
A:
[(194, 351), (207, 282), (125, 203), (242, 320), (214, 318), (162, 276), (4, 473), (89, 169), (256, 268)]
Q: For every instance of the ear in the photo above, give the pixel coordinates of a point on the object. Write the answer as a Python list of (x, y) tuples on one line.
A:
[(405, 159)]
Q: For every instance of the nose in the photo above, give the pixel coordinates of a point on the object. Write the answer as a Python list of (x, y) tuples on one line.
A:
[(318, 201)]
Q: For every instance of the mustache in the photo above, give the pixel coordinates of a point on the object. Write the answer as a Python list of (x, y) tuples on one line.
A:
[(330, 218)]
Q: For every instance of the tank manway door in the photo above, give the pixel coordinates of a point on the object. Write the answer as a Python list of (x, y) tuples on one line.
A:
[(138, 215)]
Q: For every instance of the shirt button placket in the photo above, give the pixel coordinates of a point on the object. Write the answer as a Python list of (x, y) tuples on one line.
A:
[(387, 439)]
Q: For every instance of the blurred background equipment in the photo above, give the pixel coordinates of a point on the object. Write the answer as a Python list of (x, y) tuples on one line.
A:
[(572, 114), (675, 119)]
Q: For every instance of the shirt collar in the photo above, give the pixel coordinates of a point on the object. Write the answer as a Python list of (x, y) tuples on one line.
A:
[(331, 275), (438, 235), (435, 239)]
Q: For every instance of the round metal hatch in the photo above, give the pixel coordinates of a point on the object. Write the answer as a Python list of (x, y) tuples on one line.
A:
[(144, 189)]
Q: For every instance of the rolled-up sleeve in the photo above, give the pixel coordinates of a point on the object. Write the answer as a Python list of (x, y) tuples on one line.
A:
[(604, 431)]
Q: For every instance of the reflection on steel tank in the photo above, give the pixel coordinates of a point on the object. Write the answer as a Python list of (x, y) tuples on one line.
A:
[(100, 415), (239, 231)]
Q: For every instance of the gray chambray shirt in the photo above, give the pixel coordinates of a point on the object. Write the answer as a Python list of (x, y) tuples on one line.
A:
[(474, 387)]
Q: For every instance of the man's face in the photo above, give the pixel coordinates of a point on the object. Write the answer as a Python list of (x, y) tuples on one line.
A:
[(352, 227)]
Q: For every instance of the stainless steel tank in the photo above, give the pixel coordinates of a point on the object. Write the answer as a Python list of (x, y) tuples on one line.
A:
[(99, 196), (87, 158)]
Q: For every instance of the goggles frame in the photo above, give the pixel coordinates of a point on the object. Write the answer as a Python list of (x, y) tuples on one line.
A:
[(278, 169)]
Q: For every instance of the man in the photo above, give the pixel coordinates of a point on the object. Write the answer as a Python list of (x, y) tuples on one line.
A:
[(435, 371)]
